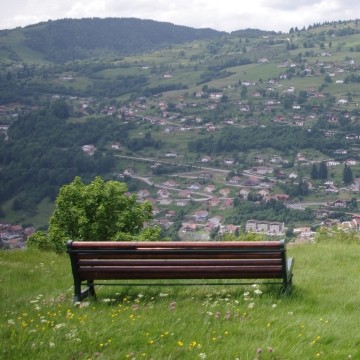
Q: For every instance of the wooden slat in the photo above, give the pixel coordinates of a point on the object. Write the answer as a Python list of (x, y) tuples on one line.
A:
[(177, 262), (173, 245)]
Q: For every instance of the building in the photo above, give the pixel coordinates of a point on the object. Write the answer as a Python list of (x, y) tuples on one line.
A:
[(265, 227)]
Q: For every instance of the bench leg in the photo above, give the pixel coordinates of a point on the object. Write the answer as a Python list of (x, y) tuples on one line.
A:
[(80, 295)]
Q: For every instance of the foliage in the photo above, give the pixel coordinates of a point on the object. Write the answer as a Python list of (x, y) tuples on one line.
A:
[(97, 211), (272, 210), (347, 175), (70, 39), (335, 235)]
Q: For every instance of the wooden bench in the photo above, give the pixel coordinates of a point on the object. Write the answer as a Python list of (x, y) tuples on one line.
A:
[(92, 261)]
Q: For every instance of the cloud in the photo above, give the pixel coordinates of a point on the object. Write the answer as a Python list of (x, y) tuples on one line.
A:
[(278, 15)]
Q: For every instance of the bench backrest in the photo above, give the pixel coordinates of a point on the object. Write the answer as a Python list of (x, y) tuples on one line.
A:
[(177, 260)]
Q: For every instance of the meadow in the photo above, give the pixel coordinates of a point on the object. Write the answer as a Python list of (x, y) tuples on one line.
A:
[(318, 320)]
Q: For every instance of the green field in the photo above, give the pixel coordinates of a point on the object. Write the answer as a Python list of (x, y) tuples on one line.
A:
[(319, 320)]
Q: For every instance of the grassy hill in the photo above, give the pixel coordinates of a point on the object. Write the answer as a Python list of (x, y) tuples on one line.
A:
[(318, 321)]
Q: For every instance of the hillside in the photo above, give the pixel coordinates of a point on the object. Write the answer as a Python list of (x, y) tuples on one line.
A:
[(69, 39), (319, 319), (218, 125)]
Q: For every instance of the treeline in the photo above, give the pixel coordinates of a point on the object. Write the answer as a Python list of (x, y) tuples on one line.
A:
[(281, 138), (69, 39), (272, 210)]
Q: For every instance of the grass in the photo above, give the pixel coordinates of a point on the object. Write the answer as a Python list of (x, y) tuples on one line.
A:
[(318, 321)]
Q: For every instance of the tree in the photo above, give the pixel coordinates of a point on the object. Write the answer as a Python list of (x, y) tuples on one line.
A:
[(314, 172), (98, 211), (323, 171), (347, 175)]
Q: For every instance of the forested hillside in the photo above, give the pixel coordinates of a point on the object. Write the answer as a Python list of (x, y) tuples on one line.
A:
[(67, 40)]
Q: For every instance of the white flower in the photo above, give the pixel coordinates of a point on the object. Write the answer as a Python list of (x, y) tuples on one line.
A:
[(202, 356), (274, 306), (251, 305), (258, 292), (51, 344), (59, 326), (163, 295)]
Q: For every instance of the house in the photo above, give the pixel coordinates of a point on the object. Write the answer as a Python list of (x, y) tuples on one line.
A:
[(235, 180), (252, 181), (350, 162), (263, 170), (201, 215), (129, 172), (141, 194), (244, 193), (228, 203), (170, 213), (165, 201), (195, 186), (171, 154), (88, 149), (170, 183), (231, 229), (206, 159), (353, 224), (331, 189), (216, 96), (225, 192), (163, 193), (210, 188), (228, 161), (182, 202), (338, 204), (189, 227), (330, 163), (184, 194), (265, 227), (214, 201), (263, 192)]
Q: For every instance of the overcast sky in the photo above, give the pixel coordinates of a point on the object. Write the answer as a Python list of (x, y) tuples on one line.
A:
[(226, 15)]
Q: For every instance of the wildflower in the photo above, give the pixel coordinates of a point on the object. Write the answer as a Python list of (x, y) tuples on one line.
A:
[(217, 315), (59, 326), (251, 305), (51, 344), (135, 307), (163, 295), (11, 322), (270, 349), (258, 292), (274, 306), (202, 356), (228, 315), (180, 343), (259, 351)]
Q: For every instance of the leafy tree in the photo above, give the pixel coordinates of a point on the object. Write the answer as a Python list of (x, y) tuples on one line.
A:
[(97, 211)]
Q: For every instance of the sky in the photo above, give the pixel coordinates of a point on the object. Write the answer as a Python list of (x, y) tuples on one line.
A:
[(222, 15)]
